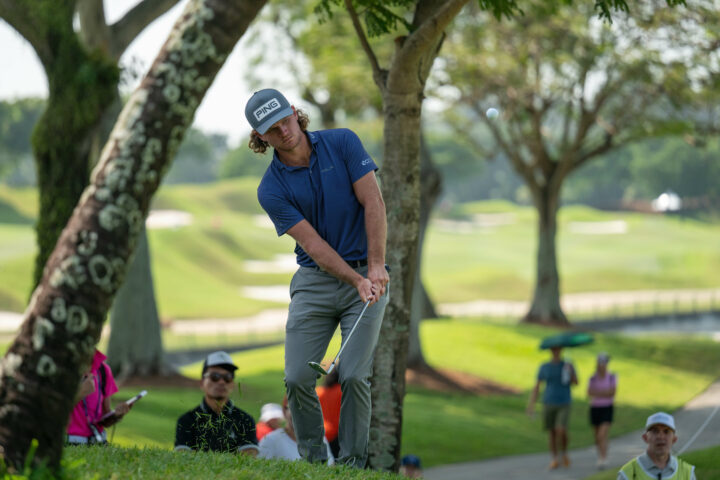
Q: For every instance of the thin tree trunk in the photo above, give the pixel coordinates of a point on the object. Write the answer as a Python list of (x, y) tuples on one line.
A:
[(41, 370), (402, 124), (135, 346), (545, 307), (422, 307)]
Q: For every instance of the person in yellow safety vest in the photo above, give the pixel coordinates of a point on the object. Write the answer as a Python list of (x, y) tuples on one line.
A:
[(658, 463)]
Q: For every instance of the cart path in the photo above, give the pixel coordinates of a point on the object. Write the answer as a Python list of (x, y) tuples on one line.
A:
[(272, 320), (698, 425)]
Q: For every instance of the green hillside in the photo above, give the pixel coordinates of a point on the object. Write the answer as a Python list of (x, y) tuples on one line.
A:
[(483, 250)]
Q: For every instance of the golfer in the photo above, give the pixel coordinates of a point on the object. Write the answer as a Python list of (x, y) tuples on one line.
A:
[(320, 188)]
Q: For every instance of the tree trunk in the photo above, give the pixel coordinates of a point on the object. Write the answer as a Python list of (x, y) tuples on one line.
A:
[(545, 307), (41, 370), (402, 125), (135, 346), (81, 86), (422, 307), (402, 87)]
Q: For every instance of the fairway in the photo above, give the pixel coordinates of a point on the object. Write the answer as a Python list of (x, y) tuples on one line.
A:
[(487, 251)]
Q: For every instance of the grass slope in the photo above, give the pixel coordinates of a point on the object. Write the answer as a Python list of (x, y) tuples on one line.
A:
[(199, 270), (445, 428)]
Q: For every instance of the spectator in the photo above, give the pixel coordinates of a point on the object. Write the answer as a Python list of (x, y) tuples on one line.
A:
[(601, 390), (330, 396), (92, 403), (271, 418), (282, 443), (216, 424), (410, 467), (658, 463), (558, 376)]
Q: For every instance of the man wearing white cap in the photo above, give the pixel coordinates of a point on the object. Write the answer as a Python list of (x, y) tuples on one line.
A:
[(216, 424), (320, 188), (658, 463)]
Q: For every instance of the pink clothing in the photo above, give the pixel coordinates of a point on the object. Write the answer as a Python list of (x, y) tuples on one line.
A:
[(602, 383), (78, 419)]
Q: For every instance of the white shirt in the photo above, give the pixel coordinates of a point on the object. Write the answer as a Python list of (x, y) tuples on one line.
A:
[(278, 444)]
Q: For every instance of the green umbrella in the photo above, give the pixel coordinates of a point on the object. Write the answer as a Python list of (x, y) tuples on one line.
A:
[(571, 339)]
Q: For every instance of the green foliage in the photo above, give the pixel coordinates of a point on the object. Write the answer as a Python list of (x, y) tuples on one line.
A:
[(243, 162), (197, 159)]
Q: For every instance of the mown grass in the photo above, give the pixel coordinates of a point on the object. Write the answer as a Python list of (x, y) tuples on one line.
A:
[(199, 270), (153, 463), (444, 427), (707, 465)]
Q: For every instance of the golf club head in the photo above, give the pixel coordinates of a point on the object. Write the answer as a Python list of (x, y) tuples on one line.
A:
[(318, 368)]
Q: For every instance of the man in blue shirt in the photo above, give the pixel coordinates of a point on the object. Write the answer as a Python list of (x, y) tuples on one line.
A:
[(320, 188), (558, 376)]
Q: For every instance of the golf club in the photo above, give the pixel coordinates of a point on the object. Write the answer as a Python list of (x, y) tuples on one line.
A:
[(317, 367)]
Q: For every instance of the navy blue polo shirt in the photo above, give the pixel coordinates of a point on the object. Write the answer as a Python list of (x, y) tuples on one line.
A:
[(321, 193)]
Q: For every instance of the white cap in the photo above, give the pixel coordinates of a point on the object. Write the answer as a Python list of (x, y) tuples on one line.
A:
[(660, 418), (219, 359), (270, 411)]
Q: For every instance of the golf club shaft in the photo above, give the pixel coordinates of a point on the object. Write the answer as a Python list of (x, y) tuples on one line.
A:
[(357, 322)]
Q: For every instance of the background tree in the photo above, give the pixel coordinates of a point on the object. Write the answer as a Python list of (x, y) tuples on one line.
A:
[(83, 102), (41, 370), (569, 88), (17, 120)]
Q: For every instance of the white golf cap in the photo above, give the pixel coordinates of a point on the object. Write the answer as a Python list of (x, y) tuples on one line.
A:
[(219, 359), (270, 411), (660, 418)]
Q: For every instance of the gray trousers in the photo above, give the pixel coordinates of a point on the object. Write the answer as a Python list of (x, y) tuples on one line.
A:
[(319, 302)]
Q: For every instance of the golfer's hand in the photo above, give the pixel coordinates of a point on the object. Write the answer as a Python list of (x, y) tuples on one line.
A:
[(365, 290), (530, 411), (378, 276)]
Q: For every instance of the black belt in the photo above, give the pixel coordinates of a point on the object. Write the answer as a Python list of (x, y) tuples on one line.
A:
[(357, 263)]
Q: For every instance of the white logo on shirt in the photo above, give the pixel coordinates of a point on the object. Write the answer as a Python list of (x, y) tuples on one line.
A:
[(266, 109), (366, 161)]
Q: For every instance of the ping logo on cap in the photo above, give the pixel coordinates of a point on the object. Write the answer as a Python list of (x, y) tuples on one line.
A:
[(266, 109)]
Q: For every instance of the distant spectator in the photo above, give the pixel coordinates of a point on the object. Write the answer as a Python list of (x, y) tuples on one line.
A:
[(601, 390), (271, 418), (216, 424), (658, 463), (282, 443), (558, 376), (92, 402), (411, 467), (330, 395)]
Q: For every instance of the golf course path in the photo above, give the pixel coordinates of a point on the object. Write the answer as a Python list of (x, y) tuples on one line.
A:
[(698, 425)]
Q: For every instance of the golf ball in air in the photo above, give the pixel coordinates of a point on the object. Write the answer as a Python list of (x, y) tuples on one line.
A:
[(492, 112)]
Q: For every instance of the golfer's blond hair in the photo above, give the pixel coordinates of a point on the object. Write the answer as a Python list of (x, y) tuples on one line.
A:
[(260, 146)]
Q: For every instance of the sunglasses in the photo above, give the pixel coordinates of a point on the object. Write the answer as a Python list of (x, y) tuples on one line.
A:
[(215, 376)]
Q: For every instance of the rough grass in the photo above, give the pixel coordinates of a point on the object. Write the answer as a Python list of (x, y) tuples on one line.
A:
[(153, 463), (444, 427)]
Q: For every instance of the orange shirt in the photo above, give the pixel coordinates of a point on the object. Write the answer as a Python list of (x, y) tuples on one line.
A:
[(262, 429), (330, 398)]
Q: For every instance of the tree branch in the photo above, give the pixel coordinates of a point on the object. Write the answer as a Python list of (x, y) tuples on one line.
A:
[(427, 33), (125, 30), (20, 16), (379, 74)]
